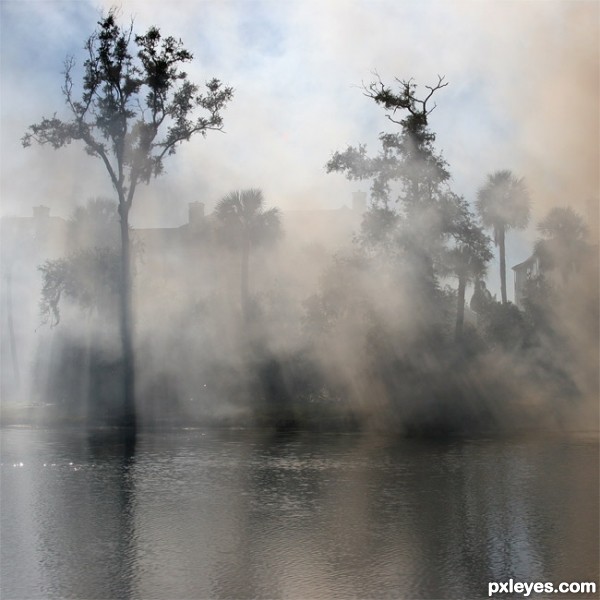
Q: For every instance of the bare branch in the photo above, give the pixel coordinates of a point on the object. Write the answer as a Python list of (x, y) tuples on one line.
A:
[(393, 120), (432, 89)]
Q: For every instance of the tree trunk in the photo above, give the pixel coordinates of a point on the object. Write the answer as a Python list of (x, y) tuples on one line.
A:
[(460, 308), (502, 265), (244, 279), (128, 416)]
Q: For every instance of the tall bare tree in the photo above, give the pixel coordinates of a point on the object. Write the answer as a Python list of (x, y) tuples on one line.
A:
[(134, 107)]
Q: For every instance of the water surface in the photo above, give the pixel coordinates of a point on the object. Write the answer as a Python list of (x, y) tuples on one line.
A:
[(240, 514)]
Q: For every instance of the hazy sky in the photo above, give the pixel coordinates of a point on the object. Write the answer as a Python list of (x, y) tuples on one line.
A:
[(523, 95)]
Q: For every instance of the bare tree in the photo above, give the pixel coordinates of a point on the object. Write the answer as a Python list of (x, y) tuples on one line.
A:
[(135, 107)]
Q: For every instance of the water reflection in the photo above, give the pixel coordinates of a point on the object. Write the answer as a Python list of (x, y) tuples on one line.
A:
[(237, 514)]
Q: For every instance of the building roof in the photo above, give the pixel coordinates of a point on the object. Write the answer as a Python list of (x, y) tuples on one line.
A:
[(525, 263)]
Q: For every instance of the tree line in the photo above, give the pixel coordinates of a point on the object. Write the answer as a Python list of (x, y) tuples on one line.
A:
[(384, 321)]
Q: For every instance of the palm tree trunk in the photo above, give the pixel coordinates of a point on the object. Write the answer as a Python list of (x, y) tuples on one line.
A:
[(126, 322), (502, 265), (460, 308)]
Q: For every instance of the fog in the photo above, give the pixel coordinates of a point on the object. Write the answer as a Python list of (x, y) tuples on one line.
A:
[(346, 317)]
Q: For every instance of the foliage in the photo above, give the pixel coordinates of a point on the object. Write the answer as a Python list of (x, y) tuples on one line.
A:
[(467, 260), (244, 223), (407, 157), (88, 277), (470, 251), (433, 233), (505, 326), (503, 203), (563, 243), (136, 104), (563, 223), (540, 301), (242, 219), (343, 297), (379, 229), (429, 213), (481, 298)]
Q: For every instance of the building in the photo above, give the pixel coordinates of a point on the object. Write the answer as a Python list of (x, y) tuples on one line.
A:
[(523, 272), (174, 266)]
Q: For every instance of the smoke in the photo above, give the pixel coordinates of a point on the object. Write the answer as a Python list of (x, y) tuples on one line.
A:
[(543, 69), (336, 332), (340, 333), (523, 96)]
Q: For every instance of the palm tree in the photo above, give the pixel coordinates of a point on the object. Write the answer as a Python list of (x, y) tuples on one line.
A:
[(467, 260), (503, 203), (563, 243), (245, 222)]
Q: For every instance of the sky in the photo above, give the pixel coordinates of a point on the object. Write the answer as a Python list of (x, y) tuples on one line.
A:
[(523, 95)]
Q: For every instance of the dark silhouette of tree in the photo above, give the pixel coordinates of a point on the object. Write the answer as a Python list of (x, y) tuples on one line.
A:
[(563, 243), (379, 229), (136, 107), (467, 259), (539, 303), (561, 303), (503, 203), (407, 157), (481, 298), (409, 171), (505, 326), (245, 224)]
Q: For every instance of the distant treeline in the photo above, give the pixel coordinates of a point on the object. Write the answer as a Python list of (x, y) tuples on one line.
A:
[(228, 326), (388, 339)]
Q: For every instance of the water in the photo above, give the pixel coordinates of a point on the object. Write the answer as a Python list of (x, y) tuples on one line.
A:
[(241, 514)]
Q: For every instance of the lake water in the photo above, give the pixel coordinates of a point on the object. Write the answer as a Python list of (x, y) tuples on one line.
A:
[(247, 514)]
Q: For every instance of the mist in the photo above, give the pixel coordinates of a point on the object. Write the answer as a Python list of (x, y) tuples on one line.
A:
[(347, 319), (339, 334)]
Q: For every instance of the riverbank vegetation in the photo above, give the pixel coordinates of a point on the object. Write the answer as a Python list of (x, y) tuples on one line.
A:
[(233, 323)]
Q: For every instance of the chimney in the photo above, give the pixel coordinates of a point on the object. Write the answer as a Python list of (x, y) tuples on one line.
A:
[(196, 213), (359, 202), (41, 212)]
